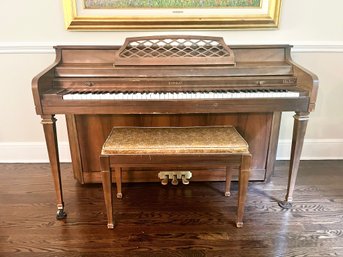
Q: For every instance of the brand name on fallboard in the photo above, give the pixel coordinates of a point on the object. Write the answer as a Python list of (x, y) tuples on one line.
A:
[(175, 83)]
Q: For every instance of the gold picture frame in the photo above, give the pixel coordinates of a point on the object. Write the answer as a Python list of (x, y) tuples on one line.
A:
[(78, 18)]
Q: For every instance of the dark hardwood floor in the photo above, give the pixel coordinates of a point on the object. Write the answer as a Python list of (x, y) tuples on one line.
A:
[(153, 220)]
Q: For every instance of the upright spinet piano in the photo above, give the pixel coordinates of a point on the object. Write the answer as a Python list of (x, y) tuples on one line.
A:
[(173, 80)]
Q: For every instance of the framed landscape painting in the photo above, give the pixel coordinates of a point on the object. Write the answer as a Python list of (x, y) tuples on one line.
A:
[(170, 14)]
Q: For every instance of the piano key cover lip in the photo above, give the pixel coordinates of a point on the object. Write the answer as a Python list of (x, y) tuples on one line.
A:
[(250, 104), (177, 107)]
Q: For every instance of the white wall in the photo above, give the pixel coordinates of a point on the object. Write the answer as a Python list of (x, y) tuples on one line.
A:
[(28, 33)]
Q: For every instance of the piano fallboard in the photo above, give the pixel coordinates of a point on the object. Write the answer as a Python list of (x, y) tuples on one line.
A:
[(174, 83)]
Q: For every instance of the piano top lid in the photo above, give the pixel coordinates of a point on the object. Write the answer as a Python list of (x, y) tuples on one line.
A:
[(174, 50)]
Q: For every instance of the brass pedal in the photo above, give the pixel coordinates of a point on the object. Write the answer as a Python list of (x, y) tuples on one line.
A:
[(175, 182), (175, 176), (165, 180), (185, 181)]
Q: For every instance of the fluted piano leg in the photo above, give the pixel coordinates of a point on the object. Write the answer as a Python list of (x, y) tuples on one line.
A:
[(49, 126), (299, 130)]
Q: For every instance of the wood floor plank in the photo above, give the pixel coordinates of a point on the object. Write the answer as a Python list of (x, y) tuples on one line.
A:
[(152, 220)]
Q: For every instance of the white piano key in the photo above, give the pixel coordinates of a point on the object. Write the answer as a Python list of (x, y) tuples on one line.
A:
[(93, 96), (279, 94), (203, 95), (77, 97), (116, 96), (237, 94), (154, 96), (67, 97), (228, 95), (254, 94), (113, 95), (140, 96), (295, 94)]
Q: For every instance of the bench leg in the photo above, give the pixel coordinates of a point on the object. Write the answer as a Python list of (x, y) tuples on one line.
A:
[(117, 174), (107, 187), (244, 173), (228, 180)]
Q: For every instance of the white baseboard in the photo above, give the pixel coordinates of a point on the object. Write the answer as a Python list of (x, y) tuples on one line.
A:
[(35, 152)]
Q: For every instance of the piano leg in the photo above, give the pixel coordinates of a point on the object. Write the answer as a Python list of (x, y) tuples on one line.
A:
[(299, 129), (49, 125), (106, 177), (244, 173)]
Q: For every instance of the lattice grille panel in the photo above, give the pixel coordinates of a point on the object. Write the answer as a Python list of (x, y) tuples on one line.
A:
[(161, 48), (174, 50)]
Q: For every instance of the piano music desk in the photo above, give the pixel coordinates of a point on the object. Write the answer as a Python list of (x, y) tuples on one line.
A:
[(174, 148)]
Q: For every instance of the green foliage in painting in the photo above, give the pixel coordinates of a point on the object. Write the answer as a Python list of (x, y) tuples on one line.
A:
[(170, 3)]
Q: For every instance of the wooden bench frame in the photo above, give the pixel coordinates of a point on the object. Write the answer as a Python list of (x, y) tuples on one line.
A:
[(174, 161)]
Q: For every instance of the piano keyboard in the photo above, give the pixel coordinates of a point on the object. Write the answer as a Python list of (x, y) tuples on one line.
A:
[(187, 95)]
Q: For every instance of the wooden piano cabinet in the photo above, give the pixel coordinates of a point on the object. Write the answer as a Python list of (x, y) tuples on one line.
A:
[(87, 134)]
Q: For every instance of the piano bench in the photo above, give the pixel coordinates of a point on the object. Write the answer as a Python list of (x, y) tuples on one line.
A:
[(174, 147)]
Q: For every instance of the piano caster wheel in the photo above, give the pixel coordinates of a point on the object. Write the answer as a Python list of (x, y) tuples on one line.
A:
[(285, 205), (119, 195), (60, 215), (239, 224), (165, 181), (184, 180), (110, 226), (175, 182), (227, 194)]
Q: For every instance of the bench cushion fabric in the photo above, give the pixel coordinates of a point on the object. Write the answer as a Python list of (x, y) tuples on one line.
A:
[(174, 140)]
